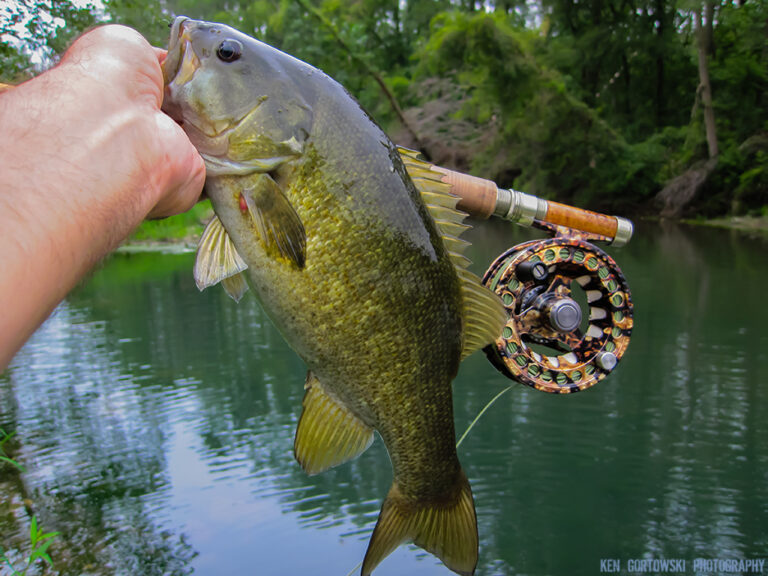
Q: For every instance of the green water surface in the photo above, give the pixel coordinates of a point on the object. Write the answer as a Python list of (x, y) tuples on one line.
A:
[(156, 426)]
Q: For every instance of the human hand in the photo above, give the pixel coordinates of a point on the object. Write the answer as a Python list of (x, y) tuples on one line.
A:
[(122, 86), (85, 155)]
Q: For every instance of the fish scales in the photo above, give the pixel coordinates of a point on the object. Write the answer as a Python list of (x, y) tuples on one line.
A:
[(312, 197), (381, 321)]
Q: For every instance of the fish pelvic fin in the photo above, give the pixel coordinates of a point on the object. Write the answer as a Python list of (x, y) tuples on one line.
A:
[(484, 315), (328, 433), (279, 226), (446, 528), (218, 261), (235, 286)]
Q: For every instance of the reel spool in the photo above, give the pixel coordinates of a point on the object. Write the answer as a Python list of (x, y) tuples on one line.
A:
[(535, 281)]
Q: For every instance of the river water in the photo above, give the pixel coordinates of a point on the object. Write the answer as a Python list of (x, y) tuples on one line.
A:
[(156, 426)]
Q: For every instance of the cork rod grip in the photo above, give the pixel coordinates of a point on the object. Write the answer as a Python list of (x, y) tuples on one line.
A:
[(478, 196), (580, 219)]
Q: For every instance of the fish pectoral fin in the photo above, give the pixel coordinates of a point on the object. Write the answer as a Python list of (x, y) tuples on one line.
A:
[(328, 433), (218, 261), (279, 226), (446, 528)]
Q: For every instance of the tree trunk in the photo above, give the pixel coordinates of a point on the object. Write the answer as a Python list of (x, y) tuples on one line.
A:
[(659, 13), (709, 27), (704, 83)]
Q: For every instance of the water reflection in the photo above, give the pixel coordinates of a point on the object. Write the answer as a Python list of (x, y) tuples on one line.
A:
[(157, 426)]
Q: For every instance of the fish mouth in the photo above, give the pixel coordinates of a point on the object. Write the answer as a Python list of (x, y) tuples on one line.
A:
[(181, 62), (172, 60), (179, 66)]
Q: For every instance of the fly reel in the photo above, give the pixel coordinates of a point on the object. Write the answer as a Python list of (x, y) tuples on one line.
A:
[(549, 342)]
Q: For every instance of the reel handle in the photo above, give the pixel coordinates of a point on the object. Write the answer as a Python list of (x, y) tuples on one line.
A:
[(482, 198)]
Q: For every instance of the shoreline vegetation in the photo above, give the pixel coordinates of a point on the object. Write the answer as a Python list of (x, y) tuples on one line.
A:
[(653, 107), (751, 225), (181, 233)]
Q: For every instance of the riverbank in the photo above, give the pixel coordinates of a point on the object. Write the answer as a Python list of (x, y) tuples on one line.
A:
[(752, 225), (180, 232)]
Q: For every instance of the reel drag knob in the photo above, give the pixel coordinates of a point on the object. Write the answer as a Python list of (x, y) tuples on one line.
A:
[(532, 272), (546, 343), (564, 315)]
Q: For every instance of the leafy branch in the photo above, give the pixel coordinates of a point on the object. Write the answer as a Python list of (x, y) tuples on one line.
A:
[(4, 437), (370, 71), (39, 543), (38, 539)]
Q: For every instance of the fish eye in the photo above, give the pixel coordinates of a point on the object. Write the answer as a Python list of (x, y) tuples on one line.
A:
[(229, 50)]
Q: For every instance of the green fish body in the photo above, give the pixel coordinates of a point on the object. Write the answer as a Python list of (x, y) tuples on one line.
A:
[(316, 206)]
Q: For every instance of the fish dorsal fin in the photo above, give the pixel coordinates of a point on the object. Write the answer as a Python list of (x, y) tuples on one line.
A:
[(484, 314), (328, 433), (440, 203), (279, 226), (218, 261)]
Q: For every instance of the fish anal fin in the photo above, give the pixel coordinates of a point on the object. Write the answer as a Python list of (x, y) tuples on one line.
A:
[(445, 528), (279, 226), (328, 433), (217, 260)]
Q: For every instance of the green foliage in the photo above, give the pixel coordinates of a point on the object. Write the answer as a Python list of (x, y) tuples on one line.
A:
[(146, 16), (36, 30), (739, 185), (39, 541), (14, 64), (740, 70), (4, 438), (187, 226), (752, 190), (630, 60), (553, 144), (592, 102)]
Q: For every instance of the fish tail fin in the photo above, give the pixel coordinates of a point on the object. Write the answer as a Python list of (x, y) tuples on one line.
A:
[(446, 528)]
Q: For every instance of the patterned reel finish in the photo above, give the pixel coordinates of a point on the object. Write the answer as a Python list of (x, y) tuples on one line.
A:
[(580, 359)]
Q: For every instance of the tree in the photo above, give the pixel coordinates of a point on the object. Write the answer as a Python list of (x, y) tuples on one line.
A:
[(704, 47), (34, 32)]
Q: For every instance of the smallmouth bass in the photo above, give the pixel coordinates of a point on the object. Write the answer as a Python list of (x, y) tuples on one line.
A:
[(360, 270)]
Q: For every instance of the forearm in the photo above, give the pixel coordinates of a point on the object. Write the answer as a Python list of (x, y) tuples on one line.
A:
[(83, 161), (56, 218)]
